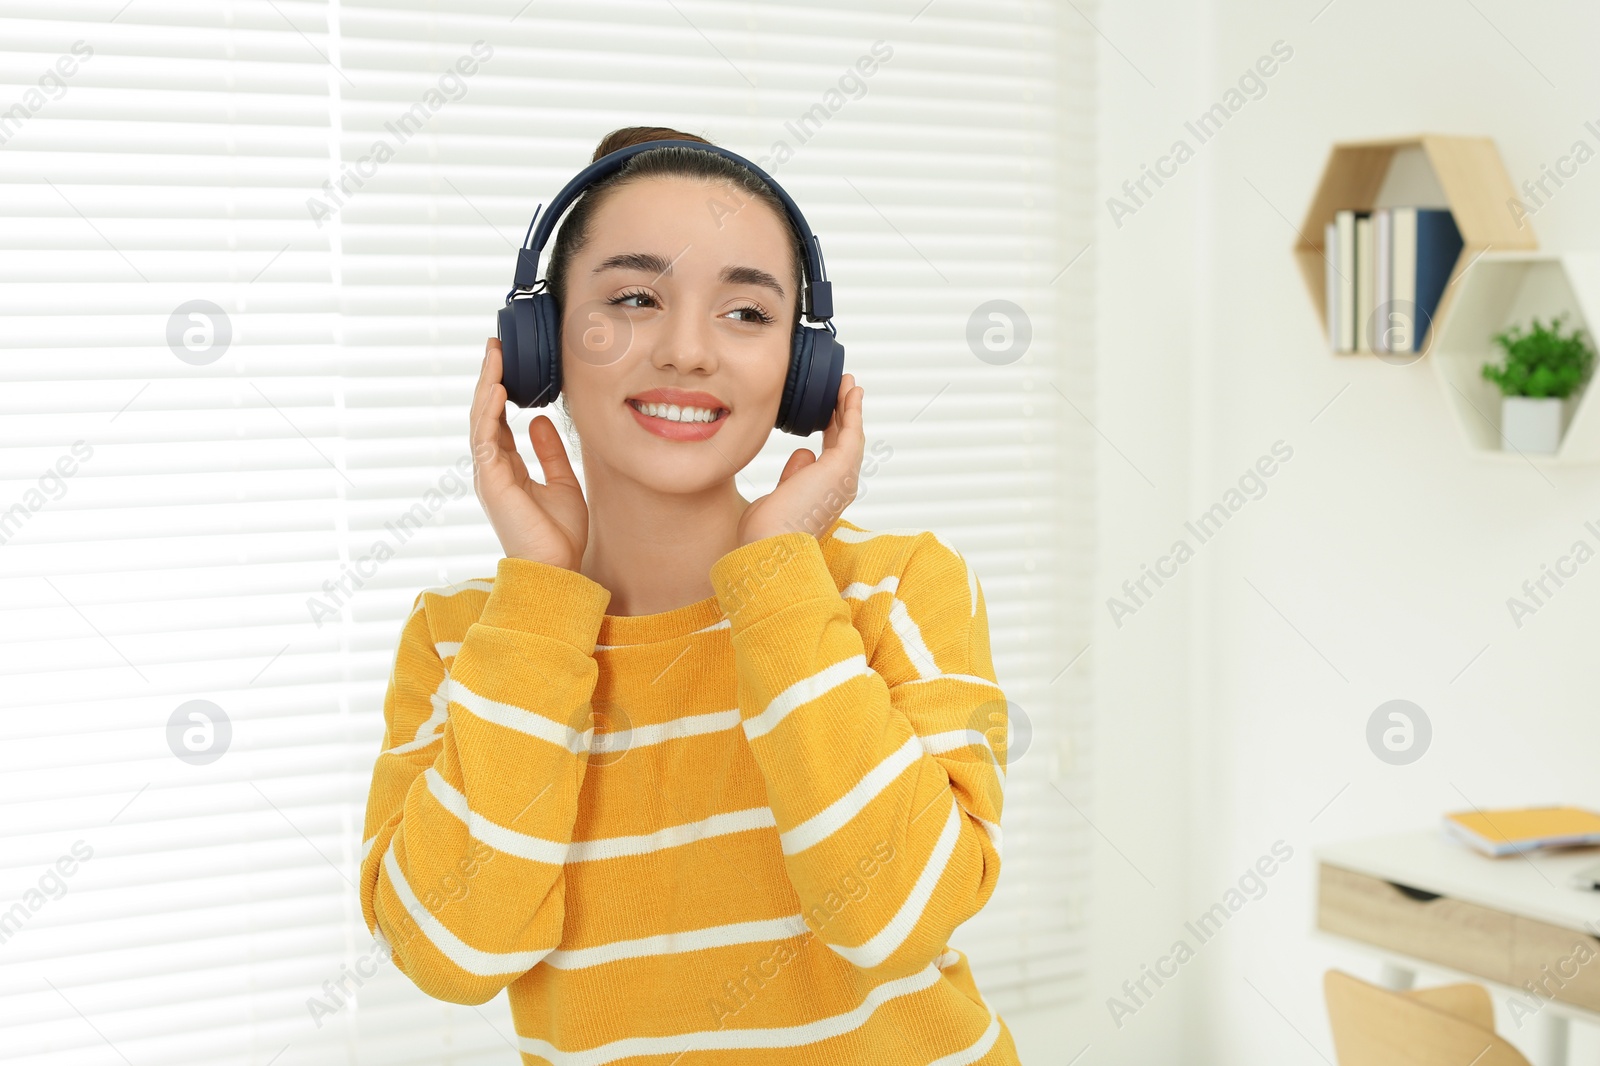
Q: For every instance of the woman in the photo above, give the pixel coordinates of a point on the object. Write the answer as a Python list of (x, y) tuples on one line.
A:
[(737, 819)]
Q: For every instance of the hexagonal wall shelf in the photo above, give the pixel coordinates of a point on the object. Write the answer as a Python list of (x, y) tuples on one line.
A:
[(1501, 289), (1464, 174)]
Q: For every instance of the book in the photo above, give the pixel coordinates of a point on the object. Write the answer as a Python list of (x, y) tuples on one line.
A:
[(1438, 247), (1364, 279), (1346, 222), (1403, 277), (1383, 278), (1330, 253), (1506, 832)]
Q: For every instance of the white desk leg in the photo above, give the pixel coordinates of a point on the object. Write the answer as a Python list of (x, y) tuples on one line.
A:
[(1553, 1038), (1396, 977)]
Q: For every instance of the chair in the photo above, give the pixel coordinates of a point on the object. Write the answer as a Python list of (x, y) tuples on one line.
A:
[(1447, 1026)]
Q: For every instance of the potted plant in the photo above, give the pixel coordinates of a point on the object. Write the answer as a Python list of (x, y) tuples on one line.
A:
[(1542, 373)]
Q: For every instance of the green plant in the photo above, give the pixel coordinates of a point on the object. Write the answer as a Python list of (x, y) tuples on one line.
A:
[(1541, 362)]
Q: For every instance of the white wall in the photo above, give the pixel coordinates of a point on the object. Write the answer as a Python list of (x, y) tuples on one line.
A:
[(1382, 551)]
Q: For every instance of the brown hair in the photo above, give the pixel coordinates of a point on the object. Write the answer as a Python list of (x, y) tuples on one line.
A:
[(685, 162)]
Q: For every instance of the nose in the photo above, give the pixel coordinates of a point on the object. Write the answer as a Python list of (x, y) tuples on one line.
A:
[(686, 342)]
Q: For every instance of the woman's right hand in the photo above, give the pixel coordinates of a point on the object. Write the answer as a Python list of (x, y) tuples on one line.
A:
[(547, 523)]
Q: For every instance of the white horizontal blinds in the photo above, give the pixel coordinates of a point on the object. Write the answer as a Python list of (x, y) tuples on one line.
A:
[(170, 166), (204, 550), (941, 180)]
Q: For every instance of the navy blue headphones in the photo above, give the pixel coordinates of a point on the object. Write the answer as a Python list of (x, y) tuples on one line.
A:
[(529, 325)]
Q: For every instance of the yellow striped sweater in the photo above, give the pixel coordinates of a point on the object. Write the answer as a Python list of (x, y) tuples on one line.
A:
[(738, 831)]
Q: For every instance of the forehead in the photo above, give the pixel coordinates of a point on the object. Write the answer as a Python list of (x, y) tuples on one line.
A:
[(713, 218)]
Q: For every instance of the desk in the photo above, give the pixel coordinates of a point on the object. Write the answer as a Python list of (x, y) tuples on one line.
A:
[(1422, 900)]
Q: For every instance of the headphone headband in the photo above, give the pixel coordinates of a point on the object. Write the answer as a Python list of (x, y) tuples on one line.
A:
[(816, 293)]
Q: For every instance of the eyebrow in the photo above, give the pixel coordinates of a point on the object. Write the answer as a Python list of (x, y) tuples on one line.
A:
[(650, 261)]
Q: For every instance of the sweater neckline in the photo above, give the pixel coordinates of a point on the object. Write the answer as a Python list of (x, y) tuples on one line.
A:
[(620, 630), (624, 629)]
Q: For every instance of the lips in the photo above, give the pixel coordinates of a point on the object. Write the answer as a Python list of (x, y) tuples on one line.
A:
[(681, 397), (679, 431)]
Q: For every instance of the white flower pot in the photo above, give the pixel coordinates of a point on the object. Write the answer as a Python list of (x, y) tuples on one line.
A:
[(1533, 424)]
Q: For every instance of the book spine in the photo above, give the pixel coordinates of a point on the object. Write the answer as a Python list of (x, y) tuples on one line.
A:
[(1383, 233), (1438, 248), (1346, 221), (1330, 255), (1364, 281)]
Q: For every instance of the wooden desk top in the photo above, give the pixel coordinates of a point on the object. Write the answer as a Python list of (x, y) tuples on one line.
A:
[(1537, 885)]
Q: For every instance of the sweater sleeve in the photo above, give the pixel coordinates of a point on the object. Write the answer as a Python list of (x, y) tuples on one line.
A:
[(473, 798), (882, 776)]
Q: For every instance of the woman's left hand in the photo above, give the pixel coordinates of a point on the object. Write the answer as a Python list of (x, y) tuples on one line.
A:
[(812, 492)]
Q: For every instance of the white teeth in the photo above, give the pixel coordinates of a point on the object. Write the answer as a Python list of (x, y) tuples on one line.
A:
[(673, 413)]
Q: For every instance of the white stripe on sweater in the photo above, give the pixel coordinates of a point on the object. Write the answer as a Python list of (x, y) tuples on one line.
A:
[(857, 536), (459, 952), (898, 928), (860, 590), (910, 635), (519, 719), (715, 936), (432, 727), (447, 591), (498, 837), (838, 814), (737, 1039), (970, 678), (804, 691), (671, 837), (690, 725)]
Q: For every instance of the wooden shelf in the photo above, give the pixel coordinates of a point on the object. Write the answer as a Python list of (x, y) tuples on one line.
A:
[(1464, 174), (1501, 289)]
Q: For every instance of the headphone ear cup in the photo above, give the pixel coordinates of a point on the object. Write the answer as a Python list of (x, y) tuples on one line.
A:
[(510, 355), (799, 360), (816, 369), (547, 358), (518, 371), (528, 371)]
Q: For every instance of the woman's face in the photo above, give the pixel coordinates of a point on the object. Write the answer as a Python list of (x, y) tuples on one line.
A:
[(683, 294)]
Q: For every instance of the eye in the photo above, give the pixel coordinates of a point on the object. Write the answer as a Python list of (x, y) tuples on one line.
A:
[(640, 294), (757, 314)]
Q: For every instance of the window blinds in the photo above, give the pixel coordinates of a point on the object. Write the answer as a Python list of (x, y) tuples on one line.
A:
[(250, 250)]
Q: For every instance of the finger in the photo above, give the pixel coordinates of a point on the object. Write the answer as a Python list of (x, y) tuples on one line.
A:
[(797, 462), (479, 432), (492, 448), (552, 452), (847, 388)]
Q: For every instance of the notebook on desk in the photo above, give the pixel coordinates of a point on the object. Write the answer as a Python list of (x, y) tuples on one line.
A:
[(1507, 832)]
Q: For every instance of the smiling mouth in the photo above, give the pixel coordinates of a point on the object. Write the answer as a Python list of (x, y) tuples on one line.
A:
[(668, 412)]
